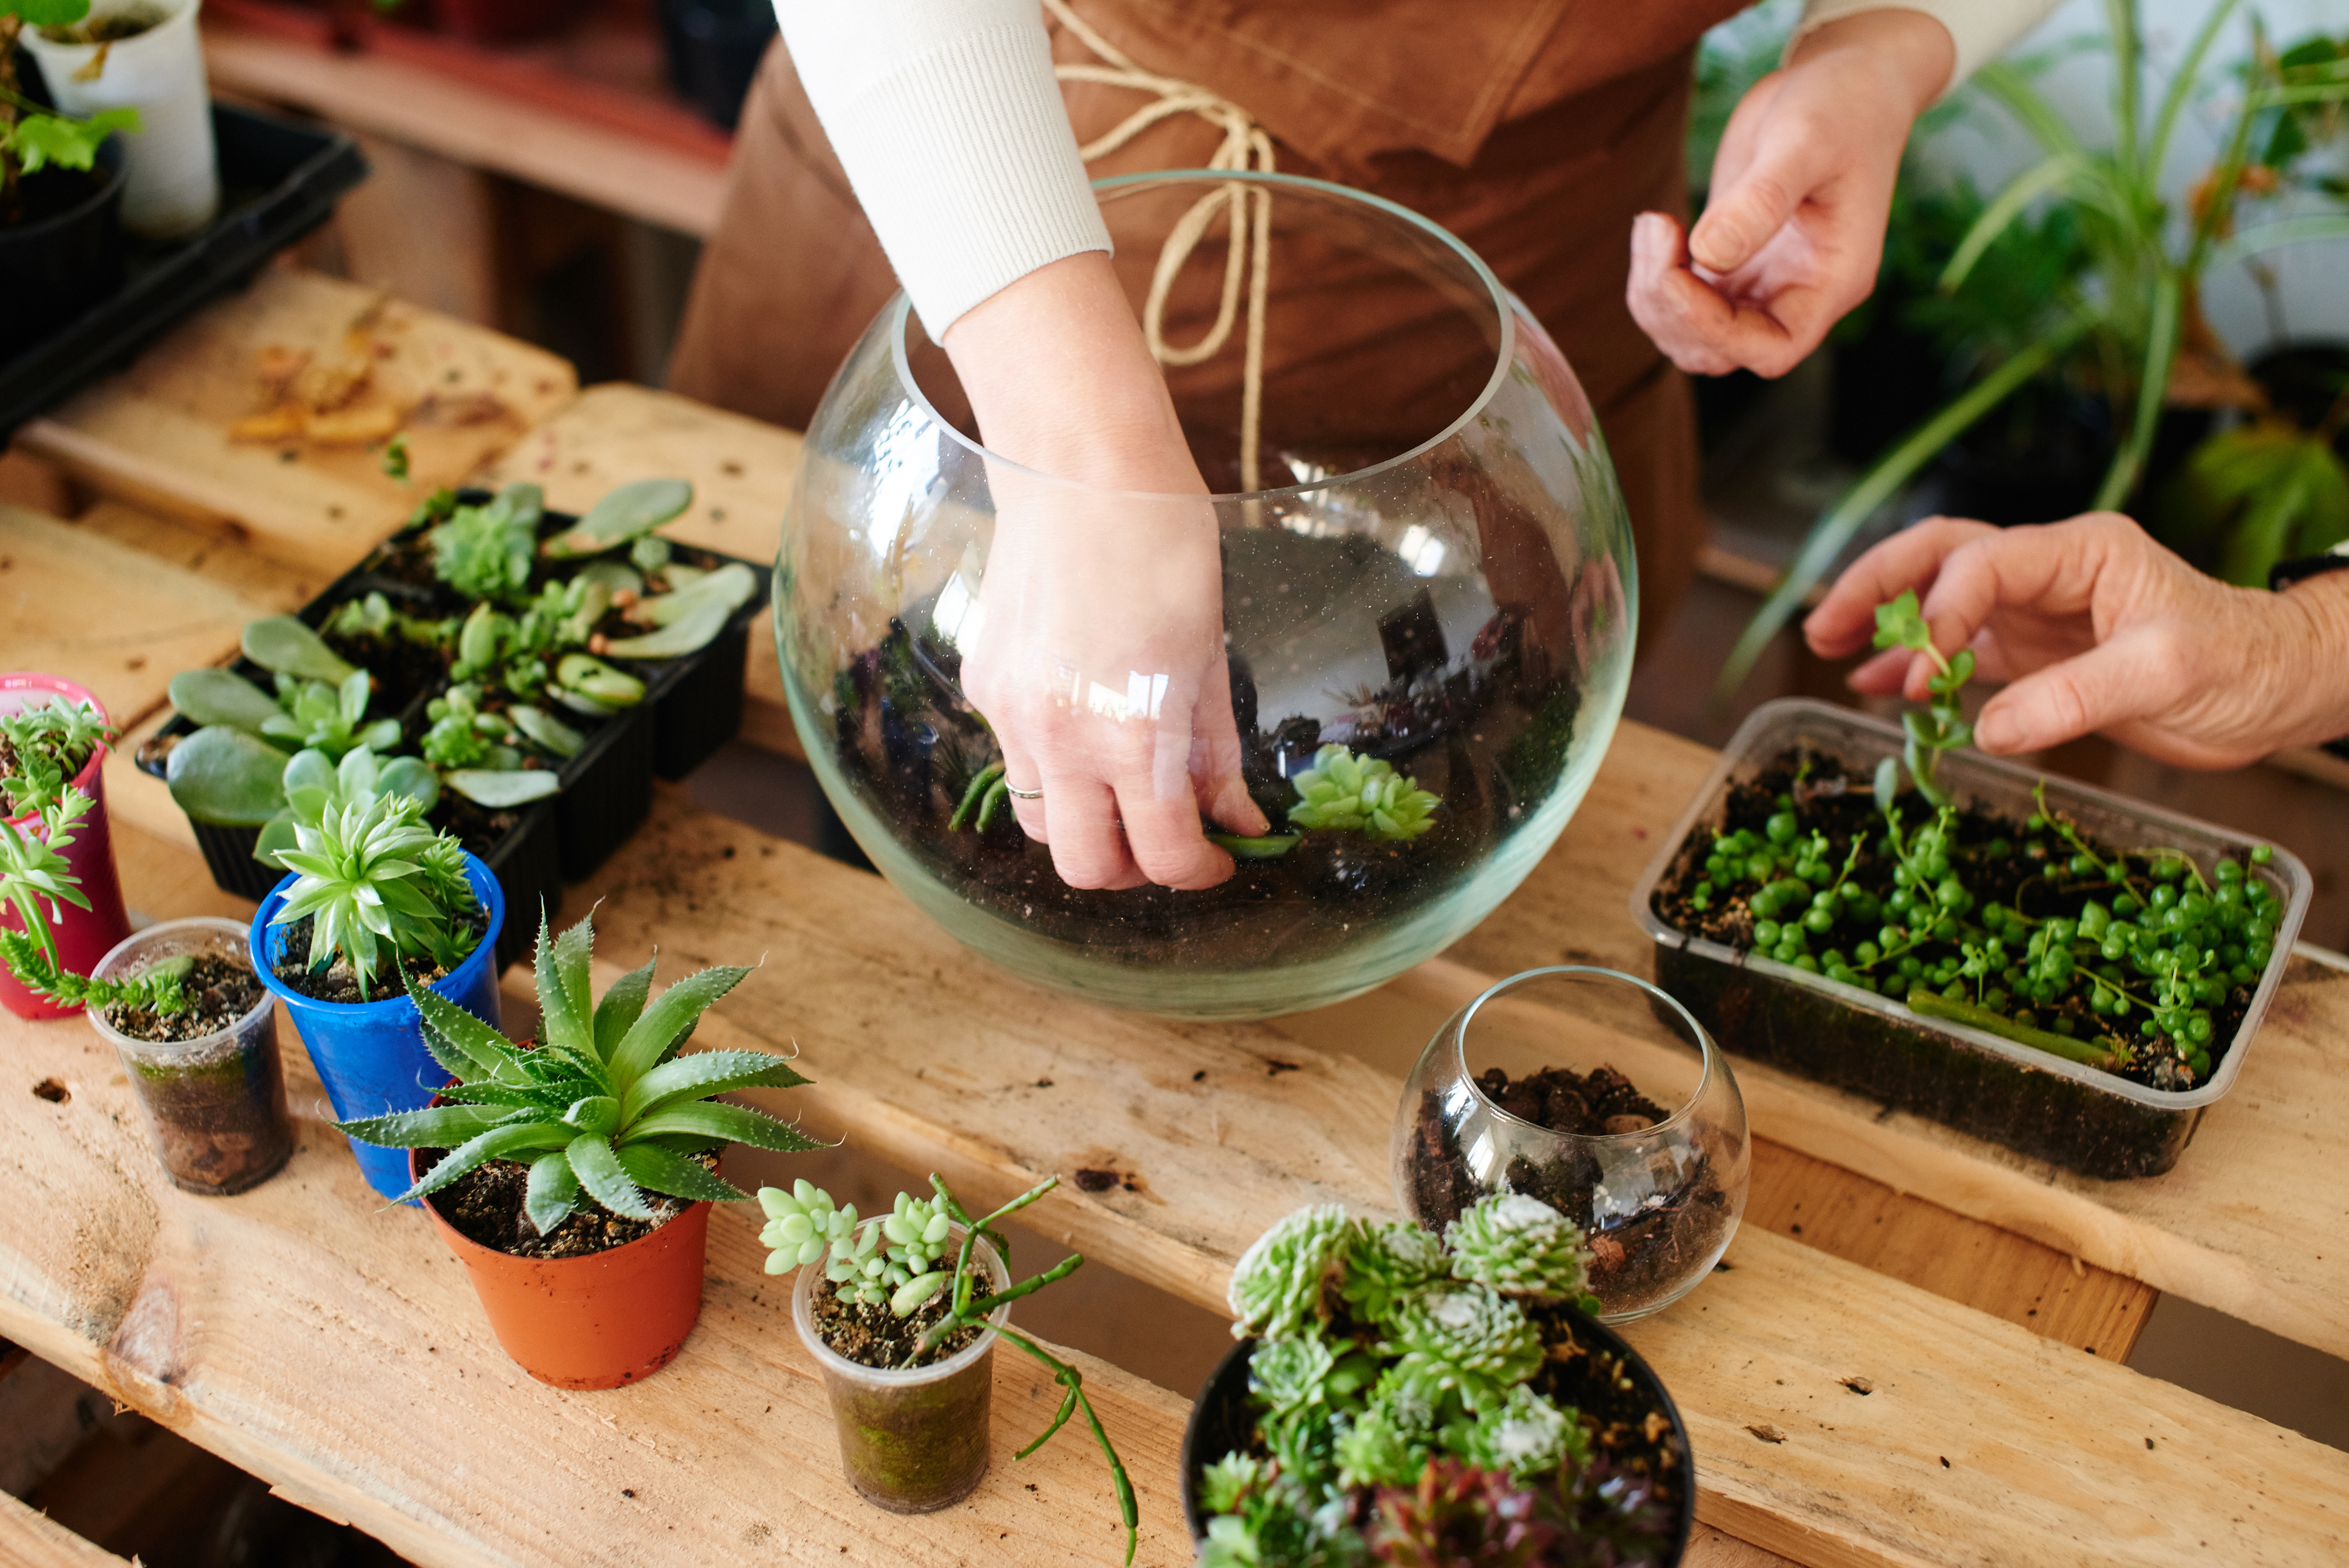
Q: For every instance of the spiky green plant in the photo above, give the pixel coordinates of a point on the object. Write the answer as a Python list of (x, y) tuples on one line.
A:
[(602, 1104), (378, 886), (1390, 1262), (35, 879), (1278, 1287), (1361, 794), (1520, 1246)]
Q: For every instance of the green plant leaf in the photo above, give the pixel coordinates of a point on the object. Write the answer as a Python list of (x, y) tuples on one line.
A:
[(597, 1113), (689, 634), (2152, 389), (469, 1039), (663, 1023), (606, 1180), (551, 1192), (622, 1005), (283, 644), (633, 509), (735, 1123), (564, 1017), (410, 776), (502, 791), (2044, 179), (546, 730), (437, 1127), (37, 140), (226, 777), (702, 1075), (220, 697), (2259, 541), (2284, 232), (730, 586), (2181, 83), (498, 1143), (45, 12), (658, 1169)]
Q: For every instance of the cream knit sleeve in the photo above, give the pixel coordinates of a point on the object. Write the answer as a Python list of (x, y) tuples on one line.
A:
[(947, 118), (1982, 29)]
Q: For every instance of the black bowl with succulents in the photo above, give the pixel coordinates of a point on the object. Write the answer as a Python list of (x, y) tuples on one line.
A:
[(2036, 962), (1402, 1398)]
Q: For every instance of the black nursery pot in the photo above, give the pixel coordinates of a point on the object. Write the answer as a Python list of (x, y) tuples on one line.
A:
[(68, 254), (1221, 1423)]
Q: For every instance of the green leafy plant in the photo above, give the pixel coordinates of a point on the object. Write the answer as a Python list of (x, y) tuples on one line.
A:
[(36, 878), (601, 1106), (34, 136), (234, 770), (485, 552), (896, 1262), (623, 516), (380, 887), (1361, 794), (374, 615), (2263, 492), (1942, 725), (63, 731), (2117, 326), (480, 749), (315, 787)]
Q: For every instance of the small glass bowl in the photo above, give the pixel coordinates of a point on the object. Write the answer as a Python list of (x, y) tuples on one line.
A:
[(1659, 1200)]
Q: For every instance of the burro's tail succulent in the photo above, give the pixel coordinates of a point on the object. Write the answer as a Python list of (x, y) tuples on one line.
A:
[(603, 1106)]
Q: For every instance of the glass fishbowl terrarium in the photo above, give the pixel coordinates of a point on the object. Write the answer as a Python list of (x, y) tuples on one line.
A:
[(1413, 546)]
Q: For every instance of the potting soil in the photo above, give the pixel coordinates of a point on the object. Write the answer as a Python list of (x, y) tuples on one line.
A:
[(876, 1336)]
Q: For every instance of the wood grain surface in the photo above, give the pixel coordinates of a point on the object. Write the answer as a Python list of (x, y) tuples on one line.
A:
[(31, 1539)]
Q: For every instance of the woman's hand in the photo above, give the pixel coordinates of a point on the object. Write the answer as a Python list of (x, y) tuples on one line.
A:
[(1792, 234), (2100, 629), (1100, 663)]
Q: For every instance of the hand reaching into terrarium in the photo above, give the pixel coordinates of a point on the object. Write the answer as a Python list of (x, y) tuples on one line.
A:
[(2097, 628), (1100, 663)]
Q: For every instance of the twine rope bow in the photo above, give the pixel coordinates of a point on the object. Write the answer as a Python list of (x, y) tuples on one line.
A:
[(1248, 247)]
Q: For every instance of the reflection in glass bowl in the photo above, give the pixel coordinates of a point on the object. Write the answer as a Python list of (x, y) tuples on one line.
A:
[(1435, 575)]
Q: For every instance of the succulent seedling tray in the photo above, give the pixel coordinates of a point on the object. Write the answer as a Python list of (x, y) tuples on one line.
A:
[(2071, 1114), (692, 706), (279, 181)]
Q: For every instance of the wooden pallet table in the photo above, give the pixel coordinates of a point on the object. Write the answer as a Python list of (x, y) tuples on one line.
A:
[(333, 1347)]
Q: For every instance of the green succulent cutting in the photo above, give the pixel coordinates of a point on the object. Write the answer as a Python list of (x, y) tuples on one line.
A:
[(1361, 794), (486, 552), (602, 1107)]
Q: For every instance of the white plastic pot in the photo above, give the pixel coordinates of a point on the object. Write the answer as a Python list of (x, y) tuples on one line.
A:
[(175, 176)]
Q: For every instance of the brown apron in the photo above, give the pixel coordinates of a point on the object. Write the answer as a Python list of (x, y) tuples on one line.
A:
[(1533, 130)]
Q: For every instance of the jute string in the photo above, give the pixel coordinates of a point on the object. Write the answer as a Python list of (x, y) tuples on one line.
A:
[(1248, 245)]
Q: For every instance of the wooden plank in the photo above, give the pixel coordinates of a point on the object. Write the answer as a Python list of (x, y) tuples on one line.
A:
[(931, 1057), (473, 122), (158, 435), (31, 1539), (78, 604), (2229, 1227)]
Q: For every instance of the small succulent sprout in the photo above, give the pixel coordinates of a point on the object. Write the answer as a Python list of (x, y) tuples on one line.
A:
[(1361, 794), (282, 644), (585, 675), (485, 552), (623, 516), (1387, 1445), (802, 1226), (1469, 1339), (1388, 1263), (1520, 1246), (650, 553), (314, 787), (1286, 1374), (378, 885), (1224, 1483), (857, 1265), (313, 716), (1279, 1285)]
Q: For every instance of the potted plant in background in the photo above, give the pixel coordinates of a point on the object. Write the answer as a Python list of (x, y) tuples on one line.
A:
[(906, 1342), (61, 185), (376, 900), (1402, 1398), (2128, 325), (53, 737), (574, 1176), (142, 59)]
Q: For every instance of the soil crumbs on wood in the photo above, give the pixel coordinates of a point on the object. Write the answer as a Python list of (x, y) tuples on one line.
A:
[(876, 1336), (485, 1206), (219, 994), (337, 983)]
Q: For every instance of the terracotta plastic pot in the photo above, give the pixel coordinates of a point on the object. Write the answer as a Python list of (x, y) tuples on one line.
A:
[(595, 1322), (84, 935)]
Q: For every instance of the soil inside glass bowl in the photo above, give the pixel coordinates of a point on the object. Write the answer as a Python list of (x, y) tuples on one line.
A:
[(1633, 1262), (1995, 857), (1485, 732)]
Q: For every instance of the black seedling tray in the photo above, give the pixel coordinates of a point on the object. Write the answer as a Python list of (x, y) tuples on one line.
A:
[(279, 181)]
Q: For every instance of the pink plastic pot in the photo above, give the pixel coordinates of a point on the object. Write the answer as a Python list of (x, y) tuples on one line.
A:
[(84, 935)]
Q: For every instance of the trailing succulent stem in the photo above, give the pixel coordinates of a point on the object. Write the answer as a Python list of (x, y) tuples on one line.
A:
[(1942, 727)]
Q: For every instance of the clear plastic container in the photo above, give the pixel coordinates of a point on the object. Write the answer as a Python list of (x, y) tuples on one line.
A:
[(910, 1441), (1422, 556), (215, 1105), (174, 187), (1658, 1201), (2036, 1103)]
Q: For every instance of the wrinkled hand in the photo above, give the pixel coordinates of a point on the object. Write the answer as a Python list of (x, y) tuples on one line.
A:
[(1794, 229), (1099, 661), (2099, 628)]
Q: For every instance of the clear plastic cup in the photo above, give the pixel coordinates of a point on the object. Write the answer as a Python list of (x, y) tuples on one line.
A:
[(174, 174)]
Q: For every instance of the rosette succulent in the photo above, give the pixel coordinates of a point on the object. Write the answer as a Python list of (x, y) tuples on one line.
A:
[(1520, 1246), (1466, 1337), (1390, 1262), (801, 1224), (1361, 794), (485, 552), (1279, 1285), (378, 885)]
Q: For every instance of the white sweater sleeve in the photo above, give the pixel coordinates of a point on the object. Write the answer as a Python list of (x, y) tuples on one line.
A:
[(1981, 29), (947, 118)]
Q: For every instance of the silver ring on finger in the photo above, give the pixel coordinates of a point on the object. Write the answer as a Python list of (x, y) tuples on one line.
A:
[(1016, 792)]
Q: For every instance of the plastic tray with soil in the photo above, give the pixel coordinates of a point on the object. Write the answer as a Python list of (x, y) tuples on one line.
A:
[(1469, 718), (208, 1078), (2067, 973)]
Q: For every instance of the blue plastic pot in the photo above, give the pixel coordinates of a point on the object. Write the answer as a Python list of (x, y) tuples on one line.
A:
[(371, 1055)]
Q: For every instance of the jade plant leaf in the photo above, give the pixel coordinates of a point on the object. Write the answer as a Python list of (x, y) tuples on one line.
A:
[(226, 777), (502, 790), (219, 696), (283, 644), (631, 511), (664, 1170)]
